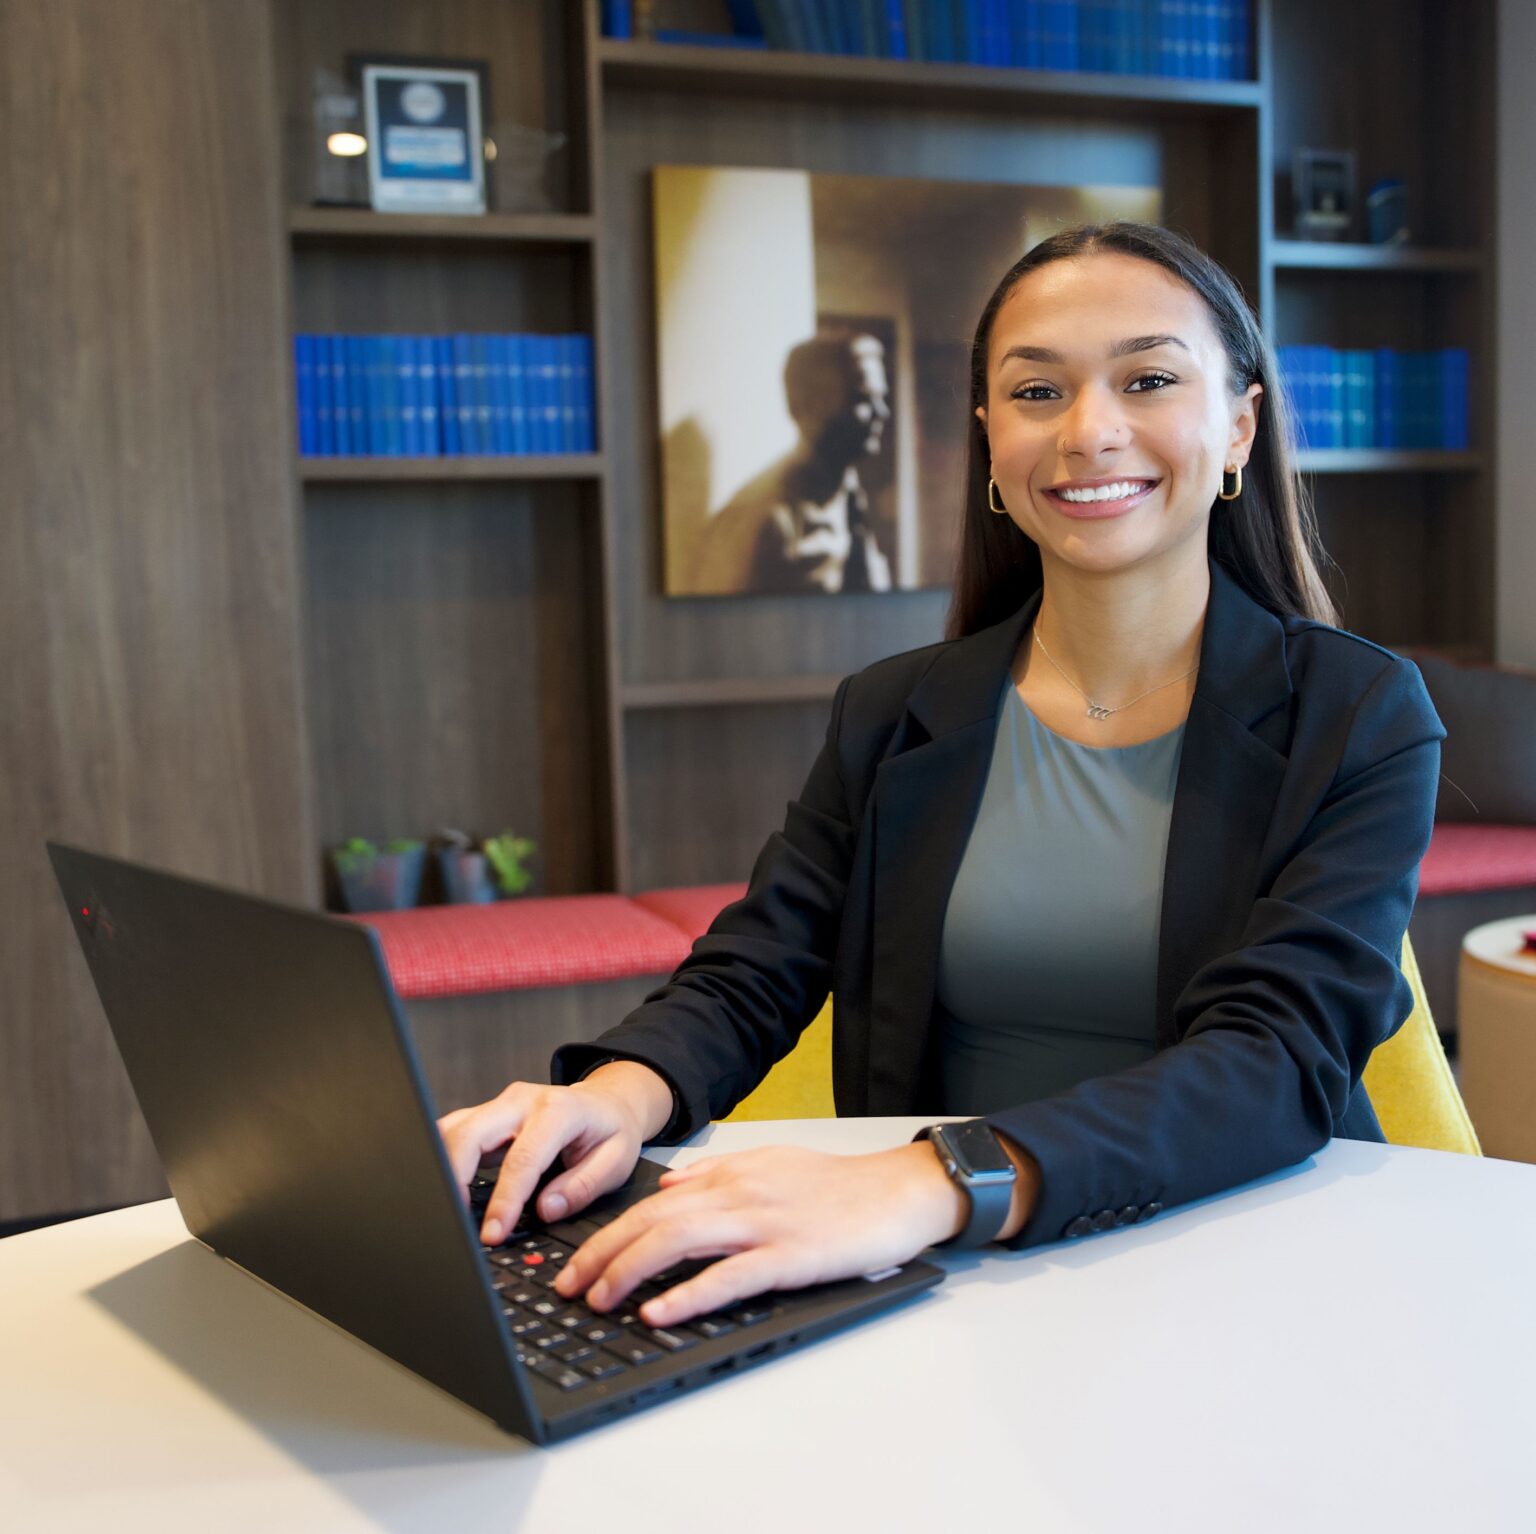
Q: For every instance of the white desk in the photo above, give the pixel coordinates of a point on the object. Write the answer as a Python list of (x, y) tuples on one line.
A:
[(1347, 1345)]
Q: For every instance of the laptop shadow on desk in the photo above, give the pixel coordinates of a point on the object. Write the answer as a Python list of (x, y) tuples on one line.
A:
[(331, 1403)]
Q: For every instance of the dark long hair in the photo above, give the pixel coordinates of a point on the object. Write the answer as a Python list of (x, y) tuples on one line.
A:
[(1267, 538)]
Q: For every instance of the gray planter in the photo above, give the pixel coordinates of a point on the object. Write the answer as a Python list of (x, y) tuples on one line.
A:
[(388, 881), (466, 877)]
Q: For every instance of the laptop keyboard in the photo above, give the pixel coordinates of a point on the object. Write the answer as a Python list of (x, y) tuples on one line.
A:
[(567, 1342)]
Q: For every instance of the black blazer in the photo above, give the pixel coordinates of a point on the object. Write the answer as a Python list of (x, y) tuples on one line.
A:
[(1304, 803)]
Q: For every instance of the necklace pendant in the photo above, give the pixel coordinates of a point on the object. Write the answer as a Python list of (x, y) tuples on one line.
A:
[(1098, 711)]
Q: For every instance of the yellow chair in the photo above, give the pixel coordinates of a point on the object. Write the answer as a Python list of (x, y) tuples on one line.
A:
[(1408, 1080)]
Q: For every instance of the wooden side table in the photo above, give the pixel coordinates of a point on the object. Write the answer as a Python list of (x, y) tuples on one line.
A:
[(1496, 1032)]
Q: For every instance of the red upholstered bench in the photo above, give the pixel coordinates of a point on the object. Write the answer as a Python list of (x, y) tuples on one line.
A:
[(1465, 857), (490, 990)]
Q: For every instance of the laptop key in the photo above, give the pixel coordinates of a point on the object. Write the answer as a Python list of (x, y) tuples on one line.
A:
[(632, 1349), (574, 1352), (597, 1331), (673, 1342), (527, 1328), (601, 1367), (750, 1315), (547, 1340), (569, 1379), (571, 1320), (712, 1326), (543, 1306)]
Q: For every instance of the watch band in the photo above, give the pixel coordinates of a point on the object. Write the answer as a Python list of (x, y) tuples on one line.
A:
[(989, 1186)]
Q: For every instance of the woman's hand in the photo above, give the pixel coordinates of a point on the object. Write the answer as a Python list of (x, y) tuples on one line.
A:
[(779, 1217), (599, 1124)]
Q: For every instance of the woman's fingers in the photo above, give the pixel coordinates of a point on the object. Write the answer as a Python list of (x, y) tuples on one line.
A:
[(481, 1129), (722, 1283), (600, 1171)]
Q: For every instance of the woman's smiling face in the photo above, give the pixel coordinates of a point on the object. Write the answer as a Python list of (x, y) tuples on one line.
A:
[(1106, 370)]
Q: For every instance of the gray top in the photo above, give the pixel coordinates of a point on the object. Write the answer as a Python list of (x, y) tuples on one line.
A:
[(1048, 959)]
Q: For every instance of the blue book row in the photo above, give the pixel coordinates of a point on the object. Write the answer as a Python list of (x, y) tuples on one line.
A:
[(397, 396), (1183, 39), (1380, 398)]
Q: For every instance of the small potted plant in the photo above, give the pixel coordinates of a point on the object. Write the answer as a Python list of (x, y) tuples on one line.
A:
[(384, 878), (465, 871), (506, 854)]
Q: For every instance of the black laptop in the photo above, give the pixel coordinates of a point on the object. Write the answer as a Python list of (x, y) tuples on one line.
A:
[(268, 1053)]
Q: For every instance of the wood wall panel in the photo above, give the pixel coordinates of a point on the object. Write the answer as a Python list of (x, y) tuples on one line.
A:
[(149, 671), (708, 786), (451, 666)]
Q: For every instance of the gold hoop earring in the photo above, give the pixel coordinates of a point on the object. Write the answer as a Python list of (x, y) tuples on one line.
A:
[(1236, 475), (991, 490)]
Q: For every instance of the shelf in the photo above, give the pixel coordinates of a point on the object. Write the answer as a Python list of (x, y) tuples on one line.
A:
[(1372, 460), (1308, 255), (365, 224), (502, 466), (810, 76), (721, 692)]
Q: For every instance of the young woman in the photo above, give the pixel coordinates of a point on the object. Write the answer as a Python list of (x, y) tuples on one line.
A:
[(1122, 867)]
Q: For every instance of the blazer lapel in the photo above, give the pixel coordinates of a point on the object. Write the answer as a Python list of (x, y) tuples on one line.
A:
[(928, 791)]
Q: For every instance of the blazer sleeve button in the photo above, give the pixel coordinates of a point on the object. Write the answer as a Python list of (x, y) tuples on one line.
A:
[(1079, 1227), (1104, 1220), (1127, 1216), (1148, 1210)]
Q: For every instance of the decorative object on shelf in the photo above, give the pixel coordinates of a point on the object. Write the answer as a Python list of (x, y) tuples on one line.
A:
[(379, 879), (426, 145), (1386, 213), (1323, 193), (1181, 39), (507, 855), (795, 458), (401, 396), (339, 148), (516, 166), (464, 870)]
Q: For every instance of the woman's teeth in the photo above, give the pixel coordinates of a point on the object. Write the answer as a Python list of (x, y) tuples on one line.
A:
[(1115, 492)]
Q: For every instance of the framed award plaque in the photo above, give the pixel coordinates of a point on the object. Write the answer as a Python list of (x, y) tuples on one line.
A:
[(425, 140)]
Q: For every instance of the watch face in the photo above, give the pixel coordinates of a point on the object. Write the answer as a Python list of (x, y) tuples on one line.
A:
[(976, 1147)]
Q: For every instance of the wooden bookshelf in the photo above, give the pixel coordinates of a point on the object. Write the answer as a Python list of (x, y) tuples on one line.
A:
[(1386, 460), (364, 224), (786, 76), (1320, 256), (532, 466), (727, 691)]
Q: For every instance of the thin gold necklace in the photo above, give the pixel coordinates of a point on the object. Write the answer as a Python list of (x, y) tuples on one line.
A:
[(1098, 710)]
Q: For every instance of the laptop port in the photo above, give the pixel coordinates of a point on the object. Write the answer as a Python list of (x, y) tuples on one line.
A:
[(723, 1367), (759, 1350)]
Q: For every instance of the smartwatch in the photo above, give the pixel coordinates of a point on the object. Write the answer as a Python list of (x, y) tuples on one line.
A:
[(976, 1161)]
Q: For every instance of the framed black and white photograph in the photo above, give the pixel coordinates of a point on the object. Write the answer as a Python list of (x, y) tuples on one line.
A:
[(425, 135)]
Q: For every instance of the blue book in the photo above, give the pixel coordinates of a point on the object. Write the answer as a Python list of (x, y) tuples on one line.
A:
[(500, 426), (618, 18), (410, 401), (1242, 40), (970, 42), (549, 346), (916, 28), (341, 400), (392, 402), (517, 392), (1386, 398), (447, 403), (1454, 370), (581, 364), (895, 29), (304, 391), (810, 29), (536, 389), (464, 394), (570, 427), (944, 26), (1092, 29), (1028, 32), (325, 399), (1062, 31), (1285, 359), (427, 401), (484, 405)]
